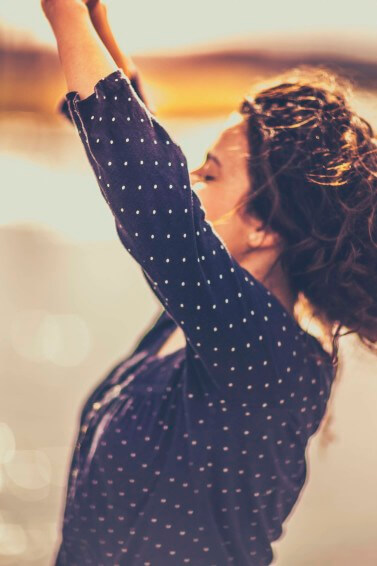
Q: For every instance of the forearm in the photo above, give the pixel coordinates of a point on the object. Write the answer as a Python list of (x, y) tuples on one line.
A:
[(98, 15), (83, 57)]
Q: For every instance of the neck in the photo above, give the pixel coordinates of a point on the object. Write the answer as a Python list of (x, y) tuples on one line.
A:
[(258, 264)]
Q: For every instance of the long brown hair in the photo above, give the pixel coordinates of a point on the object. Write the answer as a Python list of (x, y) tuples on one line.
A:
[(313, 173)]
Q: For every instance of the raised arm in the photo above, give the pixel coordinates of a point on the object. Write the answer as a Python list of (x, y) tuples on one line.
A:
[(231, 321), (83, 58), (98, 15)]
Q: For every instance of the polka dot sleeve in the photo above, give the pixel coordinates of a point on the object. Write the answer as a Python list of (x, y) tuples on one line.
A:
[(231, 322), (137, 84)]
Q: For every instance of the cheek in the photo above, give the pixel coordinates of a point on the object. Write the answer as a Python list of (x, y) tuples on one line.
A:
[(215, 200)]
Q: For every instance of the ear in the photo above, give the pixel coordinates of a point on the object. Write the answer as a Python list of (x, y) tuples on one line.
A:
[(267, 238)]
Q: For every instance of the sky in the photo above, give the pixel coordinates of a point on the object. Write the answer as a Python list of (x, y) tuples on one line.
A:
[(145, 26)]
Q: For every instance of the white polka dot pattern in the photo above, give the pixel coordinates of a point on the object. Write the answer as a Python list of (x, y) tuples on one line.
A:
[(198, 457)]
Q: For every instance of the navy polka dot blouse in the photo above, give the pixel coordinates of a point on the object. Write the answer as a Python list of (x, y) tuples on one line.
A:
[(196, 457)]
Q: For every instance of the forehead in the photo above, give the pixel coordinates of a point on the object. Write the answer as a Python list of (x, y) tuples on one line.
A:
[(232, 140)]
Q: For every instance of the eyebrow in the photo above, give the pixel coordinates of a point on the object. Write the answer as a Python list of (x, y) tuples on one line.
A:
[(213, 157)]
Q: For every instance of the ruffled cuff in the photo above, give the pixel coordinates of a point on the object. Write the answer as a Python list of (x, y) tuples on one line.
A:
[(135, 81)]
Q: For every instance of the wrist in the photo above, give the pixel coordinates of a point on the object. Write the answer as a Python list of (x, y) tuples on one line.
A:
[(93, 4), (98, 14), (57, 11), (96, 5)]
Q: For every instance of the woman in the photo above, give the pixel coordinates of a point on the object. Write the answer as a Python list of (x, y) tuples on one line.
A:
[(192, 450)]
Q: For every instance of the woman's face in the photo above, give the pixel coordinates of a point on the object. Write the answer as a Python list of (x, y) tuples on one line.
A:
[(222, 181)]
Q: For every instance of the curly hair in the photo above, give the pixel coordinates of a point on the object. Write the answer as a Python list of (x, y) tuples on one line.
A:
[(313, 172)]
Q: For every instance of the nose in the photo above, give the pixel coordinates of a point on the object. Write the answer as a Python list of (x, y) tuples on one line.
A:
[(194, 177)]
